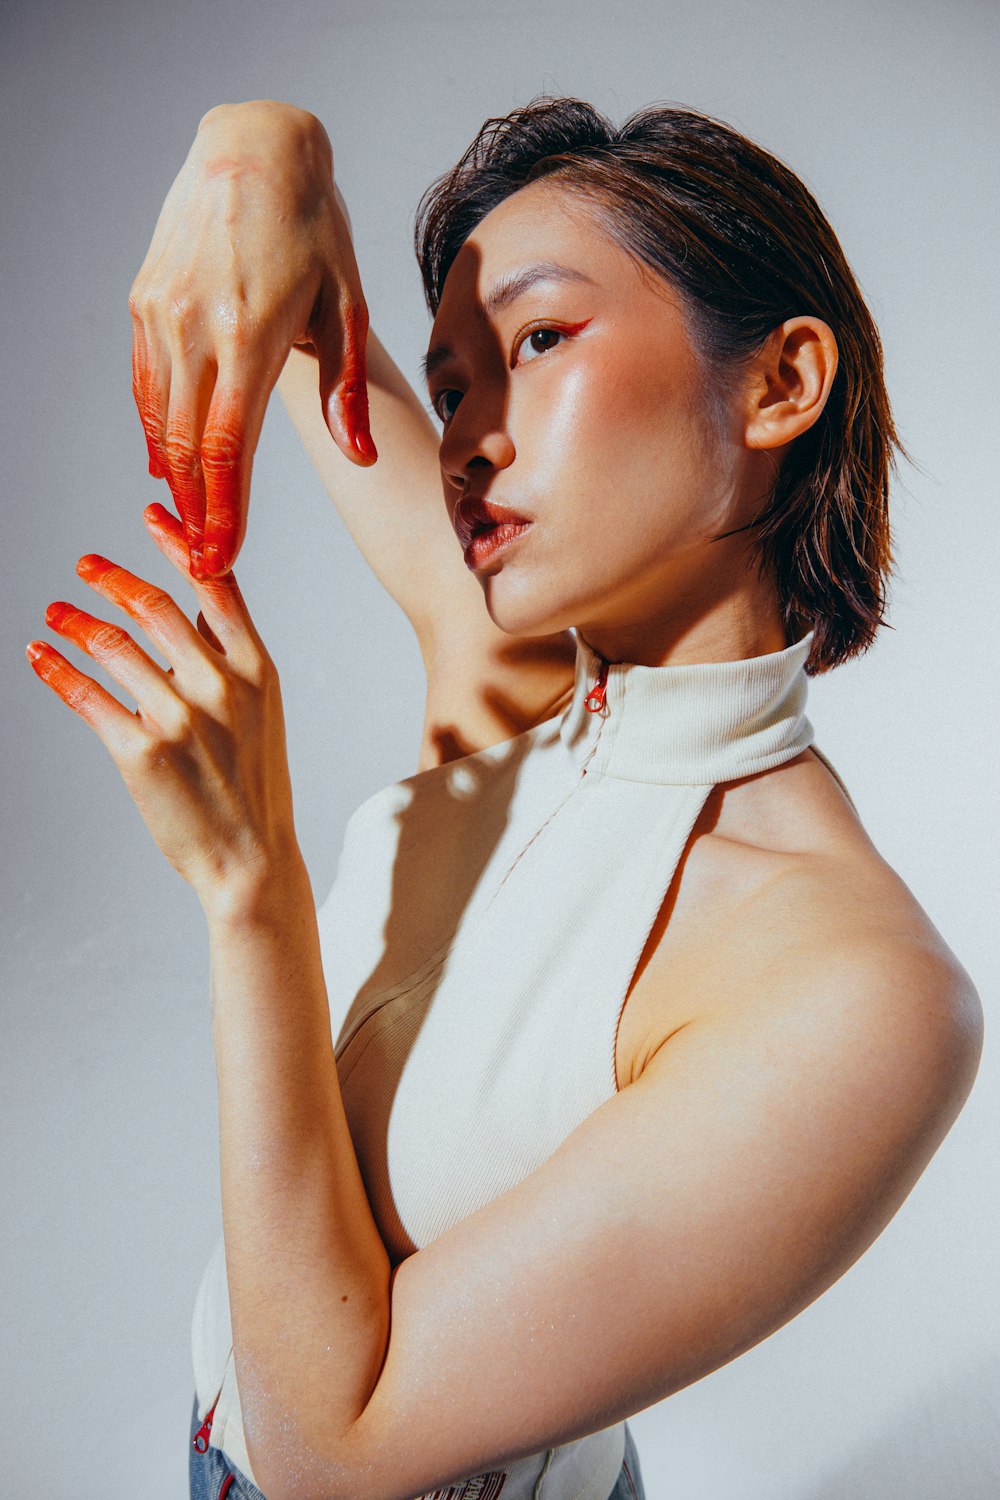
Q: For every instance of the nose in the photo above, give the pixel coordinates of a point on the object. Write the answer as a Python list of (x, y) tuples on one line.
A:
[(473, 443)]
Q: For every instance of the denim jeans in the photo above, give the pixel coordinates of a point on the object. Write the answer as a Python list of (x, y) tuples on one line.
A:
[(628, 1485), (213, 1477)]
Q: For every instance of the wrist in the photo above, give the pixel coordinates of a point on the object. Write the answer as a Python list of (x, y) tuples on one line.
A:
[(264, 130), (266, 116), (260, 894)]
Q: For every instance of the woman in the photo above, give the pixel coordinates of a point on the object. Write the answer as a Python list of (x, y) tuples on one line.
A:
[(640, 1044)]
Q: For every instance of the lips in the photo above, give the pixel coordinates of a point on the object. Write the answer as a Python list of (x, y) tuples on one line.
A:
[(474, 515)]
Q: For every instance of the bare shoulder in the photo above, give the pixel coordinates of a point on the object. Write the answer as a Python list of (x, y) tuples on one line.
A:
[(840, 936), (786, 909)]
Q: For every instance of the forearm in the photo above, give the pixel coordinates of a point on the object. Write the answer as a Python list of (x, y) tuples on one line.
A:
[(309, 1277)]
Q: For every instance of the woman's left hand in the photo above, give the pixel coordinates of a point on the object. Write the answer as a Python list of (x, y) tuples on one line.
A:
[(204, 755)]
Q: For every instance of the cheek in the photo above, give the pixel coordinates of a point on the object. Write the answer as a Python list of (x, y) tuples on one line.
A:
[(640, 439)]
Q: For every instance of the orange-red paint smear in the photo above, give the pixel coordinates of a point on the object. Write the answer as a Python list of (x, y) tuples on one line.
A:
[(225, 465), (135, 595), (80, 693), (352, 389)]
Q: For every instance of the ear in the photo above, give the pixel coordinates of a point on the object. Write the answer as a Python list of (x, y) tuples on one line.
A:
[(789, 382)]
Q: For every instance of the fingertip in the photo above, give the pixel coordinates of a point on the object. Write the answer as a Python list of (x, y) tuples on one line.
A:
[(364, 445), (165, 528), (56, 613), (156, 469), (334, 422), (355, 443), (216, 561)]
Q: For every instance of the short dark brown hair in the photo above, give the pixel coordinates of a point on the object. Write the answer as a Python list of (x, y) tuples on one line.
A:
[(745, 246)]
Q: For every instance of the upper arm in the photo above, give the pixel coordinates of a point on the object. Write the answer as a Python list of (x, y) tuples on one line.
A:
[(758, 1155), (483, 685), (394, 510)]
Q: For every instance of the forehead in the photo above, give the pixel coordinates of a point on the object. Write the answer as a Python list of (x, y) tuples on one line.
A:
[(541, 224)]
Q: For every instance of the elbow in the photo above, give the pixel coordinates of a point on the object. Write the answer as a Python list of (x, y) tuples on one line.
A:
[(292, 1464)]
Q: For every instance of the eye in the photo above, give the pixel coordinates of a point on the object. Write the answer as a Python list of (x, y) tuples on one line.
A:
[(538, 341), (440, 406)]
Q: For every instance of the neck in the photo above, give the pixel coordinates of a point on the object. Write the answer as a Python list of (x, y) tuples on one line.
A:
[(716, 614)]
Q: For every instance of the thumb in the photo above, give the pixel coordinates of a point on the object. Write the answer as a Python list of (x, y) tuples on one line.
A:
[(343, 385)]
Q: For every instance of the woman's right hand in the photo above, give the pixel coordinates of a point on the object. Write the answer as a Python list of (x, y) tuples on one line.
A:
[(251, 254)]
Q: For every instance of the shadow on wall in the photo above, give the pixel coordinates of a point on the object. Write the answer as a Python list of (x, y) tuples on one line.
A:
[(943, 1446)]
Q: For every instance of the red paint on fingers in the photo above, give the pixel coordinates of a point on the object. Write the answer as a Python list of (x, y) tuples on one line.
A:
[(148, 403), (58, 614), (143, 601), (187, 485), (227, 455), (229, 625), (93, 566), (97, 637), (150, 407), (352, 388), (225, 506), (161, 519), (88, 699), (97, 569)]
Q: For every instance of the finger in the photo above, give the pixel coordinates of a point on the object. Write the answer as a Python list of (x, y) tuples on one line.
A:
[(205, 630), (151, 389), (192, 381), (115, 650), (228, 445), (140, 365), (117, 729), (152, 608), (340, 338), (221, 601)]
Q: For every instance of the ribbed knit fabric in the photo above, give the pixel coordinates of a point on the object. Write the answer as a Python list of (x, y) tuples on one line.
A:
[(478, 945)]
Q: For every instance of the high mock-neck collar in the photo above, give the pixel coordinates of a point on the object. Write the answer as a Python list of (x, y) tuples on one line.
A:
[(692, 725)]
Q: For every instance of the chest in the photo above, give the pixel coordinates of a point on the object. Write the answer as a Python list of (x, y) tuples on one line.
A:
[(477, 1023)]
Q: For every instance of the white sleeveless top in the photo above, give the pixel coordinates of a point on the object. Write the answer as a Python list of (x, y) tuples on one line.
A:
[(478, 942)]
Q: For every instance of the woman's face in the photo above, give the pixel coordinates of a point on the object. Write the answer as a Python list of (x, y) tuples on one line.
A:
[(571, 395)]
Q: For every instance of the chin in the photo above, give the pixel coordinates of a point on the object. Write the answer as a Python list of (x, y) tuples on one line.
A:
[(525, 610), (529, 606)]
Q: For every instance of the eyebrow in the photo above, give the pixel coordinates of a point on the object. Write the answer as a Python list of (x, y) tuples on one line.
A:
[(501, 295)]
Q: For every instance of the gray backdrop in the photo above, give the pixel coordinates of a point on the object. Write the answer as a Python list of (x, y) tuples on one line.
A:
[(889, 1385)]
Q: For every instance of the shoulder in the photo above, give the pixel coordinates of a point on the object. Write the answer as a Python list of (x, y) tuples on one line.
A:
[(835, 952), (847, 926), (785, 914)]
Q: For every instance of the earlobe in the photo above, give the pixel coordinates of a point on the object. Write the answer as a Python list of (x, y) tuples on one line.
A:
[(790, 382)]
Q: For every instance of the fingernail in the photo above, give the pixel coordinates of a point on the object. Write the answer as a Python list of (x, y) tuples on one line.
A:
[(33, 650), (365, 446), (215, 559), (197, 563)]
